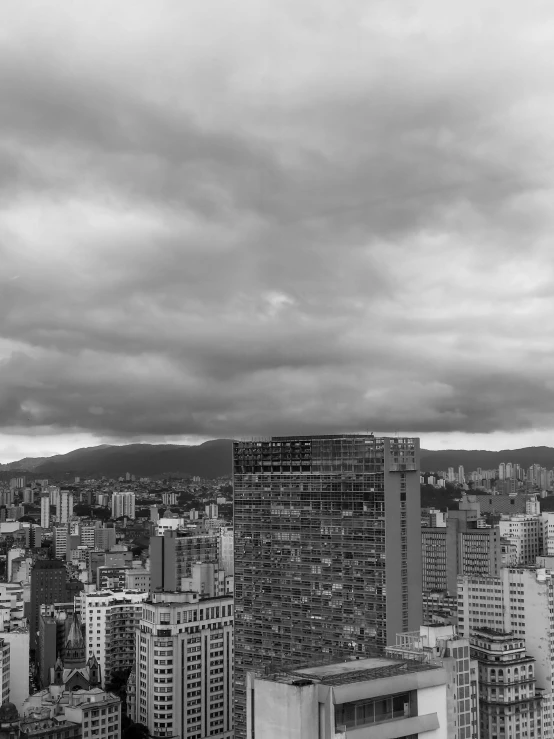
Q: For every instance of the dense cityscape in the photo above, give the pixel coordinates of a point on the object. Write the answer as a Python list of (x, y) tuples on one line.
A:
[(276, 382), (307, 594)]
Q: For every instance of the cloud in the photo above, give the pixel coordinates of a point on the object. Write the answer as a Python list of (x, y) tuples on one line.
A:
[(275, 218)]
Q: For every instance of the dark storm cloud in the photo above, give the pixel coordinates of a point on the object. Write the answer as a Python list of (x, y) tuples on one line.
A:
[(276, 225)]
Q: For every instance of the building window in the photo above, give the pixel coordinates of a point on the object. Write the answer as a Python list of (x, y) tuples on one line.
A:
[(362, 713)]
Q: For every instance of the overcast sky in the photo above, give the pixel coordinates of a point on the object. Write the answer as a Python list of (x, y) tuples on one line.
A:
[(231, 219)]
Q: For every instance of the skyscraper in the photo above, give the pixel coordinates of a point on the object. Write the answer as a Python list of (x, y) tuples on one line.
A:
[(48, 585), (45, 510), (173, 554), (64, 507), (184, 666), (123, 504), (327, 549)]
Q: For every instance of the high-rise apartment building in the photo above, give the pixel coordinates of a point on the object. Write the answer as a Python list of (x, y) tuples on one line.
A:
[(525, 532), (327, 549), (45, 510), (509, 704), (4, 670), (64, 507), (184, 666), (18, 639), (53, 626), (123, 504), (173, 554), (459, 548), (48, 585), (104, 539), (111, 619), (227, 550), (520, 601), (61, 539)]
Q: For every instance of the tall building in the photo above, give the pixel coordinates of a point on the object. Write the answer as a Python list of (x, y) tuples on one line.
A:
[(520, 601), (4, 670), (18, 639), (509, 704), (173, 554), (184, 666), (64, 507), (111, 619), (459, 548), (227, 550), (104, 539), (61, 539), (441, 646), (327, 549), (525, 532), (45, 510), (48, 585), (52, 635), (123, 504)]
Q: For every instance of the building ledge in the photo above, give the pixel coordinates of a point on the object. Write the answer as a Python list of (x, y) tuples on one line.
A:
[(393, 729)]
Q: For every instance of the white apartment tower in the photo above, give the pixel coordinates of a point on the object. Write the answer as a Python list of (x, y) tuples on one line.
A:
[(64, 507), (5, 670), (525, 532), (111, 619), (45, 510), (520, 601), (184, 666), (123, 504)]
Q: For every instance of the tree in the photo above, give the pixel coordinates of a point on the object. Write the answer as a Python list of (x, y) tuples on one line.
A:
[(136, 731), (103, 513), (81, 509)]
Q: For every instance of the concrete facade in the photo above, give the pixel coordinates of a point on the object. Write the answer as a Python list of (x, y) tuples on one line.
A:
[(375, 697)]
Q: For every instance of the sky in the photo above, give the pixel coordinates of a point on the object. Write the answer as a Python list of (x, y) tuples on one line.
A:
[(239, 219)]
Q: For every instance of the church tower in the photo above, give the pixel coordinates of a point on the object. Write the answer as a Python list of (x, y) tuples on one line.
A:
[(95, 679), (58, 671), (74, 651)]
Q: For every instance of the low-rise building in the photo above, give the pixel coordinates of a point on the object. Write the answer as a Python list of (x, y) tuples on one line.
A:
[(97, 713), (440, 645), (376, 696)]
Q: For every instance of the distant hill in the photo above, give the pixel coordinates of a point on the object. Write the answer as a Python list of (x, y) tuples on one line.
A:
[(211, 459), (29, 463), (471, 459)]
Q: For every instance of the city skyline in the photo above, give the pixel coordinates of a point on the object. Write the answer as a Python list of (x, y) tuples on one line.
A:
[(301, 217)]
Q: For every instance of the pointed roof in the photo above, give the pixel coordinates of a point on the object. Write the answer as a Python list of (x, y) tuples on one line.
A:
[(75, 638)]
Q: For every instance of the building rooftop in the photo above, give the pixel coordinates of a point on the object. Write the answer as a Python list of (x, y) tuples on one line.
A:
[(494, 632), (352, 671)]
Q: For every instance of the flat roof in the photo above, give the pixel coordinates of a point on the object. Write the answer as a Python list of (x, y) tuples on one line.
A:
[(352, 671), (342, 668)]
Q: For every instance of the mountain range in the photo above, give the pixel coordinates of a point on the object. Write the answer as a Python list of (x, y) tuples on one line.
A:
[(213, 459), (210, 459)]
